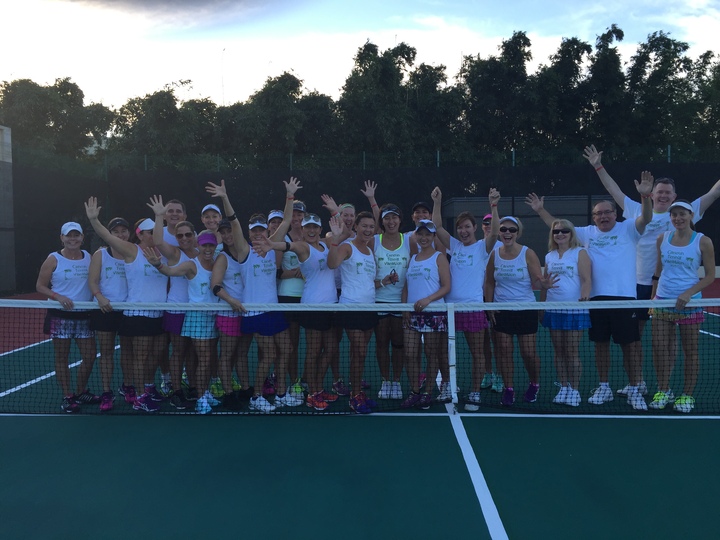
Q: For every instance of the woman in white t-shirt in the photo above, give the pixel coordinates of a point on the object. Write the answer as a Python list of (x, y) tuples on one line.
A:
[(570, 264)]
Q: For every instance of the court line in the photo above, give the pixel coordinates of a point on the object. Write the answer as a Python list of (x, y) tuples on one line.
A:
[(482, 491), (709, 334), (25, 347)]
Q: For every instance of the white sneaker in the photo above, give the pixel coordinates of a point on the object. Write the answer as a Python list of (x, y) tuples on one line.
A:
[(573, 397), (396, 390), (288, 400), (642, 388), (562, 395), (473, 402), (202, 406), (261, 404), (636, 400), (384, 392), (445, 393), (602, 394), (210, 399)]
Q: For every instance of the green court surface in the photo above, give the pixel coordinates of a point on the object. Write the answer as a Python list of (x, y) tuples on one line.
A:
[(379, 476)]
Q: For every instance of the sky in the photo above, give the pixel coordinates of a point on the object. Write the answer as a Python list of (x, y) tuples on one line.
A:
[(119, 49)]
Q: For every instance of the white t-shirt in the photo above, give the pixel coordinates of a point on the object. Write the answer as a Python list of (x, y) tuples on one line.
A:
[(647, 246), (467, 268), (566, 268), (613, 255)]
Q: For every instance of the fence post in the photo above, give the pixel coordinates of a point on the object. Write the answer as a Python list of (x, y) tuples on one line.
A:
[(513, 157), (669, 153), (437, 158)]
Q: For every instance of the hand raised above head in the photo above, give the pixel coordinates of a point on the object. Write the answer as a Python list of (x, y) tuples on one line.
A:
[(92, 210), (292, 185), (535, 202), (593, 156), (216, 190)]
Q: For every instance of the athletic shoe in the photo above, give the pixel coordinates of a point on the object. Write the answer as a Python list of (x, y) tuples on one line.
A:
[(340, 388), (684, 404), (498, 385), (445, 393), (179, 401), (232, 401), (191, 394), (488, 380), (207, 396), (328, 397), (106, 401), (508, 397), (235, 384), (364, 384), (87, 398), (216, 388), (384, 392), (185, 381), (246, 394), (166, 389), (316, 401), (146, 403), (562, 395), (473, 402), (296, 390), (69, 405), (202, 406), (370, 402), (287, 400), (261, 404), (573, 397), (269, 385), (425, 401), (396, 390), (636, 400), (642, 387), (411, 400), (661, 399), (128, 392), (358, 403), (531, 393), (153, 393), (600, 395)]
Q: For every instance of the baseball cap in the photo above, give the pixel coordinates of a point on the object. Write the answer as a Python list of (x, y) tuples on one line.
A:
[(426, 224), (70, 226)]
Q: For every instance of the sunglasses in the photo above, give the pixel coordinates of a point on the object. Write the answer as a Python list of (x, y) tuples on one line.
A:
[(509, 229), (561, 231), (258, 221), (180, 236), (486, 222)]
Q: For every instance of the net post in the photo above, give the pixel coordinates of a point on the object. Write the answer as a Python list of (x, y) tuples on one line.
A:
[(451, 352)]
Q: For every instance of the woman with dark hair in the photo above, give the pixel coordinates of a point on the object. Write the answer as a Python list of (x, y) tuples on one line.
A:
[(63, 277)]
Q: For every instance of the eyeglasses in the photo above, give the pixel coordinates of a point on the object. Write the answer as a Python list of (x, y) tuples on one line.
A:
[(603, 212), (561, 231), (180, 235), (486, 222), (509, 229)]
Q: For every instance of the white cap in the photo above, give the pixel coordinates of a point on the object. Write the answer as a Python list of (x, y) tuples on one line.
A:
[(210, 207), (311, 219), (147, 224), (276, 214), (70, 226)]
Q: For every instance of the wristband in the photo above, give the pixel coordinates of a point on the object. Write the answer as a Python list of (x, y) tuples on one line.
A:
[(287, 246), (334, 245), (291, 197), (232, 218), (217, 289), (373, 206), (598, 168), (336, 214), (656, 278), (493, 206)]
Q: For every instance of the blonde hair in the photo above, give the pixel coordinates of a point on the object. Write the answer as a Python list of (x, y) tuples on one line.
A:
[(563, 224)]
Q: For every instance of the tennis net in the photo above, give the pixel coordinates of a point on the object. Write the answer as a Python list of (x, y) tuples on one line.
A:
[(323, 375)]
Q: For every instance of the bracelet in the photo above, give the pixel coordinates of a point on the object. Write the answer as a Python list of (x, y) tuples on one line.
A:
[(598, 168), (336, 214), (645, 196), (217, 289), (373, 206), (291, 197), (493, 206), (334, 245), (232, 218), (656, 278), (54, 296)]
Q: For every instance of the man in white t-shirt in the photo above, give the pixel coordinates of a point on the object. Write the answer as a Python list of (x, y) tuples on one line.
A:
[(612, 247), (663, 195), (175, 214)]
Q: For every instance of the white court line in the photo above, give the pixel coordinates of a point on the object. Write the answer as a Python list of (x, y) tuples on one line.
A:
[(709, 334), (487, 504), (42, 377), (25, 347)]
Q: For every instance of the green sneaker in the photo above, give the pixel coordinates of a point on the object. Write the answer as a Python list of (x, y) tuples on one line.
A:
[(487, 381), (497, 385), (296, 389), (236, 385), (216, 388), (685, 404), (660, 400)]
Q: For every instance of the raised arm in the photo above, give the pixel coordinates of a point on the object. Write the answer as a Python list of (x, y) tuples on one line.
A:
[(290, 188), (369, 193), (337, 252), (187, 269), (263, 246), (171, 253), (441, 233), (491, 240), (241, 244), (538, 204), (595, 159), (127, 250), (710, 197), (644, 188)]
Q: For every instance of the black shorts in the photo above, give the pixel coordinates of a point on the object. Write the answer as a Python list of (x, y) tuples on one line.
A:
[(139, 326), (290, 316), (105, 322), (644, 292), (321, 321), (357, 320), (518, 323), (619, 324)]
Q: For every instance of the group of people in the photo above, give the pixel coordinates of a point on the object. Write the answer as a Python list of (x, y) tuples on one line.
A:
[(364, 258)]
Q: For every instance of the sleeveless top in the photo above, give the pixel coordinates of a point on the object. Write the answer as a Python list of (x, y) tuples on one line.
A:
[(358, 278), (319, 279), (512, 278), (423, 279), (70, 278), (258, 276), (387, 260), (679, 266), (145, 284), (293, 286), (113, 284)]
